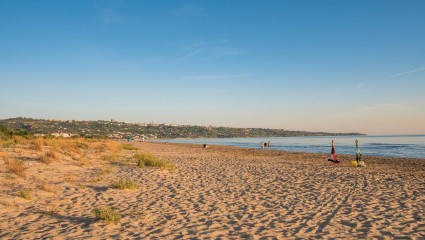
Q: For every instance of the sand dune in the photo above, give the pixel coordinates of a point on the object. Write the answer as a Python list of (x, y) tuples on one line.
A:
[(220, 192)]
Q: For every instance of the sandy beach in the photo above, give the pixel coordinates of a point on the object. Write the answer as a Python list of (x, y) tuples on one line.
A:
[(213, 193)]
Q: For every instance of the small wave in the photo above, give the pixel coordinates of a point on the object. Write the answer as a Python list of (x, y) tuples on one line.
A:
[(392, 144)]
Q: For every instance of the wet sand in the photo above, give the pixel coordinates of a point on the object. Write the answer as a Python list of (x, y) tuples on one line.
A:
[(223, 193)]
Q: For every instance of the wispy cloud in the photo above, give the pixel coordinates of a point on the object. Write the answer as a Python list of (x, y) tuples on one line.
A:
[(191, 54), (215, 77), (230, 52), (420, 69), (219, 54), (208, 50), (202, 44)]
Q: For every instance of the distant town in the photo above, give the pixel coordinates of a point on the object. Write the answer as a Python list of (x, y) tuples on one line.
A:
[(125, 131)]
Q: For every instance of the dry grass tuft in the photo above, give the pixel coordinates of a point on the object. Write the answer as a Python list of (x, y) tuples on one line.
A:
[(48, 157), (49, 187), (44, 159), (125, 184), (106, 170), (98, 179), (36, 144), (25, 194), (82, 160), (106, 214), (129, 147), (51, 154), (74, 145), (9, 176), (51, 209), (110, 158), (82, 145), (9, 143), (113, 146), (70, 178), (108, 145), (148, 160), (15, 166), (99, 147)]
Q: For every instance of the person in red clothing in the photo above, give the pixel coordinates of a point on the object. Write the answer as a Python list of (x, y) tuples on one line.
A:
[(333, 154)]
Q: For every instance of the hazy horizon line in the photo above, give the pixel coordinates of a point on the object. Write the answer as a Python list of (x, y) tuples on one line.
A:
[(199, 125)]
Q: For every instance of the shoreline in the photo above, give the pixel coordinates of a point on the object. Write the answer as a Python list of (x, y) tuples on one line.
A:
[(349, 156), (278, 152)]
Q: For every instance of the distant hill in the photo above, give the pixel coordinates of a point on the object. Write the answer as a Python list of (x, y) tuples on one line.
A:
[(137, 131)]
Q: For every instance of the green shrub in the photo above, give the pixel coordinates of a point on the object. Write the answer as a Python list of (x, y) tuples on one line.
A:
[(129, 147), (10, 143), (124, 184), (25, 194), (148, 160), (107, 214), (7, 132)]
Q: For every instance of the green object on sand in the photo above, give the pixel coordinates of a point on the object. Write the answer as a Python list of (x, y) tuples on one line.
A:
[(359, 155)]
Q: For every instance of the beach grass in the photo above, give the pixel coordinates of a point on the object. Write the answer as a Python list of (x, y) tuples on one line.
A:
[(106, 214), (44, 159), (149, 160), (70, 178), (110, 157), (130, 147), (49, 187), (105, 170), (124, 184), (25, 194), (48, 157), (15, 166), (51, 209)]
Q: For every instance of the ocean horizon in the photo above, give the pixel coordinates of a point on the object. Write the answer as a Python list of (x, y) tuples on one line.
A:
[(403, 146)]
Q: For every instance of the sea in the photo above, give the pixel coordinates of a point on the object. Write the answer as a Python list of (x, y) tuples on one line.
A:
[(406, 146)]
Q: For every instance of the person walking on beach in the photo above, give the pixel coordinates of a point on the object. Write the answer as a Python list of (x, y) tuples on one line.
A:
[(268, 144), (262, 144)]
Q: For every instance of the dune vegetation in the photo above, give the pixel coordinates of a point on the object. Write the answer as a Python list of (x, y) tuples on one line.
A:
[(149, 160), (48, 175)]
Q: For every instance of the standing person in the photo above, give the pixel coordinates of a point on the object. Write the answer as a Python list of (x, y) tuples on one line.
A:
[(268, 144), (333, 154), (262, 144)]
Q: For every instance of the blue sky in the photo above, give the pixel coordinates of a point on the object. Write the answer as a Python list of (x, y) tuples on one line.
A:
[(337, 66)]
